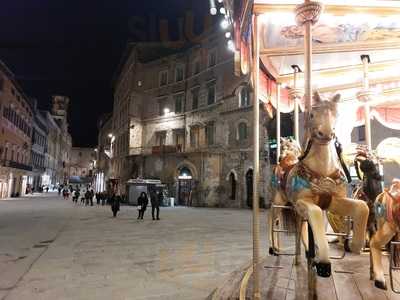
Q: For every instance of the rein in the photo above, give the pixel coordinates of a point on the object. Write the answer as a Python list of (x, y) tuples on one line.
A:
[(339, 150)]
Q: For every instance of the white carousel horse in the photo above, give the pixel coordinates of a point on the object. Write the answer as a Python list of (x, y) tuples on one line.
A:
[(317, 182), (387, 214)]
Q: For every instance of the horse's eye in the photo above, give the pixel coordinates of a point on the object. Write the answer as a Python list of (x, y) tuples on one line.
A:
[(311, 115)]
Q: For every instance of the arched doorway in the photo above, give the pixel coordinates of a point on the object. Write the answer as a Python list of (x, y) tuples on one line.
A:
[(185, 186), (232, 181), (249, 188)]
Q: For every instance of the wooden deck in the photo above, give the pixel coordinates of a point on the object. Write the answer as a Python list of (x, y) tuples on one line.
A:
[(281, 279)]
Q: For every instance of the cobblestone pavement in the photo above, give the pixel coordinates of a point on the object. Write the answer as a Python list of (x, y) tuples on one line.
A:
[(53, 249)]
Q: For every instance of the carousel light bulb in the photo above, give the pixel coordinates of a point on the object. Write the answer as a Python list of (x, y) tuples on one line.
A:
[(220, 1), (231, 45), (228, 34), (224, 24), (213, 8), (222, 11), (166, 111)]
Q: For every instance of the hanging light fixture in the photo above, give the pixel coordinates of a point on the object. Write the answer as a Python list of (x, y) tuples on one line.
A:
[(213, 8), (231, 45), (228, 34)]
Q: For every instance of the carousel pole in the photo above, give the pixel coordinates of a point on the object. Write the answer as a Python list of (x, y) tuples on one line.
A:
[(295, 95), (278, 122), (365, 60), (307, 14), (256, 175)]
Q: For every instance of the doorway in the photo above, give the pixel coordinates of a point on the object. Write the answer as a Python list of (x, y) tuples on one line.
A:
[(185, 187)]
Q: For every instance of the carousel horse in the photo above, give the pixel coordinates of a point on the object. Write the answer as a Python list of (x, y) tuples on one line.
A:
[(370, 188), (317, 183), (387, 214)]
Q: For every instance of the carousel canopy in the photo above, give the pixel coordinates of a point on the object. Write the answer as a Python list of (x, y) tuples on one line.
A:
[(346, 30)]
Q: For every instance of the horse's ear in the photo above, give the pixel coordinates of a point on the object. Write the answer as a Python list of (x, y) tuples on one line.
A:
[(336, 98), (316, 97)]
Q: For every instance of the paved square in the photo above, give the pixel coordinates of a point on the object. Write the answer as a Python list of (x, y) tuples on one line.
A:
[(53, 249)]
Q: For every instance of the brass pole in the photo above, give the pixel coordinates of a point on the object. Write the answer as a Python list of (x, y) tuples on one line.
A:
[(256, 175), (278, 122), (296, 107), (368, 136)]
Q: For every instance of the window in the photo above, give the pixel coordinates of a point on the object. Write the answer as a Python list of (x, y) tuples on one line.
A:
[(242, 131), (244, 97), (161, 138), (194, 136), (179, 73), (211, 94), (195, 98), (361, 133), (210, 133), (196, 67), (212, 58), (162, 105), (179, 103), (163, 78)]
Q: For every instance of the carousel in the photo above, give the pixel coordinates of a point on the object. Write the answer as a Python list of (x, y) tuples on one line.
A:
[(335, 65)]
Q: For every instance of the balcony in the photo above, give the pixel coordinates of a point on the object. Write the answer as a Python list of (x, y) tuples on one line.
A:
[(16, 165), (164, 149)]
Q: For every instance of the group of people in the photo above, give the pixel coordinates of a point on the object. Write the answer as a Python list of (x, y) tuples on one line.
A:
[(86, 198), (155, 199)]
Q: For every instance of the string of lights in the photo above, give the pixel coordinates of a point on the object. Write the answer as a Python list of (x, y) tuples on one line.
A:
[(226, 22)]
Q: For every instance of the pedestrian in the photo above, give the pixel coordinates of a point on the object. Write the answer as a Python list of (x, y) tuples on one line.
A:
[(59, 190), (143, 201), (115, 204), (91, 196), (103, 199), (87, 197), (65, 194), (155, 204)]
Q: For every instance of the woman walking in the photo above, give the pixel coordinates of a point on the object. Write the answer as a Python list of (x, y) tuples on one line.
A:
[(142, 201), (115, 204)]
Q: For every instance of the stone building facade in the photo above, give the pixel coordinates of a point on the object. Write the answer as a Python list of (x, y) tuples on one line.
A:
[(16, 122), (82, 162), (185, 118)]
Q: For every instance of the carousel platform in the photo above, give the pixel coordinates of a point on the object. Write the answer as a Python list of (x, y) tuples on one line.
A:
[(282, 279)]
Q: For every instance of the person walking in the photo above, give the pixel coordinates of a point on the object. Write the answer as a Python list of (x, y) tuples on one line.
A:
[(155, 204), (91, 196), (115, 204), (87, 197), (142, 201)]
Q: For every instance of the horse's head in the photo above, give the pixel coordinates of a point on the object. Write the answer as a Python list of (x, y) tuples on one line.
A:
[(323, 118)]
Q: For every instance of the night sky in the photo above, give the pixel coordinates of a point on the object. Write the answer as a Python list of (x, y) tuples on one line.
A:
[(73, 48)]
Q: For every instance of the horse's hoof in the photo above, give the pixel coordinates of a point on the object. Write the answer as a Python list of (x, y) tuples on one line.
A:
[(380, 285), (347, 245), (323, 269)]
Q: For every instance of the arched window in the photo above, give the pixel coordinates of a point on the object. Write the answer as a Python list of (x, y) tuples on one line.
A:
[(244, 97), (232, 181), (242, 131)]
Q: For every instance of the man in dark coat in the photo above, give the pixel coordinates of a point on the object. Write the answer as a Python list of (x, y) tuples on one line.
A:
[(142, 201), (155, 203), (115, 204)]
